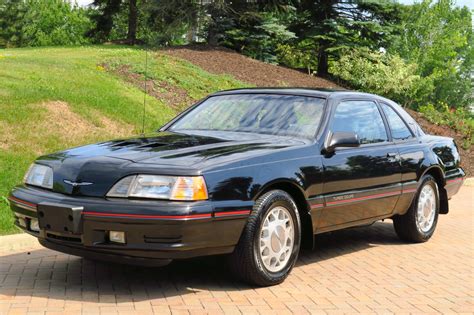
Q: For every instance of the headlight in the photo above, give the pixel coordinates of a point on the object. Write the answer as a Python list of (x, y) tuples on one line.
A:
[(160, 187), (39, 175)]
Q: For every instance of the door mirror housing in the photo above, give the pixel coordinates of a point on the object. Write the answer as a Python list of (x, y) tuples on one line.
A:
[(342, 139)]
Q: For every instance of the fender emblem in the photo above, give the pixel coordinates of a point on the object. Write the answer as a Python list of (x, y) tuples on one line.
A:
[(75, 184)]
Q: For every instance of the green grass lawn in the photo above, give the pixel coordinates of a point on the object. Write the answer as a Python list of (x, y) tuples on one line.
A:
[(54, 98)]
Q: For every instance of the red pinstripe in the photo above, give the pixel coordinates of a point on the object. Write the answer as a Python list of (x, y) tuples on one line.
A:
[(145, 216), (22, 202), (452, 181), (173, 217)]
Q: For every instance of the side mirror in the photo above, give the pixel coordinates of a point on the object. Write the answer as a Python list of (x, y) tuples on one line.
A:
[(342, 139)]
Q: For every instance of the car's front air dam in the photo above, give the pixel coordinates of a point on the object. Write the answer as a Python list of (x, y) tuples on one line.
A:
[(107, 257)]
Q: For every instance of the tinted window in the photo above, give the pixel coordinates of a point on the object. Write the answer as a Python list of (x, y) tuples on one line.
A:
[(399, 129), (284, 115), (361, 117)]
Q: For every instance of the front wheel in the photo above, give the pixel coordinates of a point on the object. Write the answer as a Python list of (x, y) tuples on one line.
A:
[(270, 242), (419, 223)]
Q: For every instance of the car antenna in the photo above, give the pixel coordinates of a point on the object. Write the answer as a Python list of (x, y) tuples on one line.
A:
[(144, 92)]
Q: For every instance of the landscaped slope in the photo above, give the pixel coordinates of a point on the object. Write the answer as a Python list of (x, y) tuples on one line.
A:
[(220, 60)]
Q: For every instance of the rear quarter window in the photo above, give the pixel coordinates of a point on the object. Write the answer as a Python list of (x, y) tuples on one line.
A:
[(398, 127)]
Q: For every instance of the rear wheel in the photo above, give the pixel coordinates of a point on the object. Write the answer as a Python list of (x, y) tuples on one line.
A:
[(270, 242), (419, 223)]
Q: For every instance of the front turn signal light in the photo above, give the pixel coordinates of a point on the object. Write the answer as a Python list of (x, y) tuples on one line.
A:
[(189, 188)]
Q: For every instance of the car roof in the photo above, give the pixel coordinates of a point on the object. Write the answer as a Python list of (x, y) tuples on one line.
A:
[(325, 93), (335, 94)]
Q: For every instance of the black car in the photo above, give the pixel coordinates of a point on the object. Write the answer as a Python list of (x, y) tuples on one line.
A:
[(253, 173)]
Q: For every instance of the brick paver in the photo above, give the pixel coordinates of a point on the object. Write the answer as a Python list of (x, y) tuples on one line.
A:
[(366, 270)]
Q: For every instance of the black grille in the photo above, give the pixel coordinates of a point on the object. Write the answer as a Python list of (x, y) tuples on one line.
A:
[(64, 238), (162, 240)]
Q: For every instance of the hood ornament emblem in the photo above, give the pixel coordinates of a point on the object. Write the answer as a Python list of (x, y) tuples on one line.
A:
[(75, 184)]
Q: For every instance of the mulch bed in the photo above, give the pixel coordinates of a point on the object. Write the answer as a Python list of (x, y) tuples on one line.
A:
[(220, 60)]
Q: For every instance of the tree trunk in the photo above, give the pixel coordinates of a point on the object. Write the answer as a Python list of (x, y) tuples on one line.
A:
[(212, 34), (132, 22), (323, 67)]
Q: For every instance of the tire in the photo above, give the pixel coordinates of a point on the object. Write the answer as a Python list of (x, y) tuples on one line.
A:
[(409, 227), (248, 261)]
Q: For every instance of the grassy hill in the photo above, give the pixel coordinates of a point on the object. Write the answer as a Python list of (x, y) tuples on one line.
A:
[(54, 98)]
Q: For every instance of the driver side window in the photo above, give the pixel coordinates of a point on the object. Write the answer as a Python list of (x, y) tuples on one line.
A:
[(361, 117)]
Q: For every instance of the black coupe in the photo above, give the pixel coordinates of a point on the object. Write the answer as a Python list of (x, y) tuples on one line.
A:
[(252, 173)]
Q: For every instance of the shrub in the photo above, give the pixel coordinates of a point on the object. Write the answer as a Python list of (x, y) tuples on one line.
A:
[(384, 74), (461, 120), (301, 55)]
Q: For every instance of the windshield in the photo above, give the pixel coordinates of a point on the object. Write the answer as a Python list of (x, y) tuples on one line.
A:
[(284, 115)]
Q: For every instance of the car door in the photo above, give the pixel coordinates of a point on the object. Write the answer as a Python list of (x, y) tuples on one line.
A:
[(411, 154), (363, 182)]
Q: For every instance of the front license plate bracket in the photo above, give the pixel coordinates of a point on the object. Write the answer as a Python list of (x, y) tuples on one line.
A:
[(60, 218)]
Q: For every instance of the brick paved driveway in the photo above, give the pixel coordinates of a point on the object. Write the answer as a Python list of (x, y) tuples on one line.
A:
[(364, 270)]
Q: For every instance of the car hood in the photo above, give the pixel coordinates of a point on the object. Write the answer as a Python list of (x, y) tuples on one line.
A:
[(95, 168)]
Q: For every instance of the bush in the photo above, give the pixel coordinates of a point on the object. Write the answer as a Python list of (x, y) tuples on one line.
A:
[(301, 55), (384, 74), (461, 120)]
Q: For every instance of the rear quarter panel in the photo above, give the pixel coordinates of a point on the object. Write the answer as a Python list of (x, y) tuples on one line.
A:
[(434, 154)]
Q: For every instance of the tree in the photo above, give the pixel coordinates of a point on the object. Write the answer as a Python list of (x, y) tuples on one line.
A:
[(106, 15), (42, 23), (171, 19), (255, 28), (103, 18), (335, 25), (132, 21), (12, 14), (438, 36)]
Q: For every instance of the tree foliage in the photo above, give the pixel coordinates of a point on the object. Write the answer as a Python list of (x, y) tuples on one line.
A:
[(12, 14), (335, 25), (383, 74), (42, 23), (438, 37), (258, 35)]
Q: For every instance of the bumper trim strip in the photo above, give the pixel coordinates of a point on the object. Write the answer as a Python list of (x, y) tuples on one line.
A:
[(31, 206), (145, 216), (455, 180), (23, 204)]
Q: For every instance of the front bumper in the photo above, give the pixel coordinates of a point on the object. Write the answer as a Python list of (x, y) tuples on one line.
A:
[(156, 231)]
